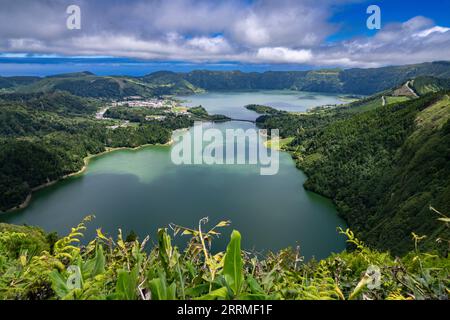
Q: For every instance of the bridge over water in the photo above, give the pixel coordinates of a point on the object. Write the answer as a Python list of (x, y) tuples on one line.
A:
[(243, 120)]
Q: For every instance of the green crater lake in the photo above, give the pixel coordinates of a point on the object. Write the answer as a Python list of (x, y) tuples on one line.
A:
[(142, 190)]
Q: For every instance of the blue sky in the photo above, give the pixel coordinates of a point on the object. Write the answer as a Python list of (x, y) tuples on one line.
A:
[(392, 11), (140, 36)]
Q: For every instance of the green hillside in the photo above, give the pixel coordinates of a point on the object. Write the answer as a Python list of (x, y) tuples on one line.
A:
[(169, 83), (370, 81), (383, 168), (424, 85), (88, 85), (7, 82)]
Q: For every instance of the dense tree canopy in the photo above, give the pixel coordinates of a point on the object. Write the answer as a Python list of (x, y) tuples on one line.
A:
[(383, 168)]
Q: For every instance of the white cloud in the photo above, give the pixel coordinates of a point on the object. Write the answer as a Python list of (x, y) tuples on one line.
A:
[(284, 55), (426, 33), (214, 45), (416, 40), (262, 31), (284, 23)]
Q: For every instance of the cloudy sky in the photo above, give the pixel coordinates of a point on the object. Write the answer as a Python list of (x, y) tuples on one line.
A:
[(126, 36)]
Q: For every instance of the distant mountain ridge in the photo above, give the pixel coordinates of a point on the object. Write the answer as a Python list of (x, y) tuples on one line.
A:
[(357, 81), (10, 82), (351, 81)]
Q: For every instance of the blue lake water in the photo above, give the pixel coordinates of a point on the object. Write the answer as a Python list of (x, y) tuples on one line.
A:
[(143, 190)]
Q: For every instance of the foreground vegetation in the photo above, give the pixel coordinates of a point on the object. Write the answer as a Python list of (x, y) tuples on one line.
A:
[(34, 265)]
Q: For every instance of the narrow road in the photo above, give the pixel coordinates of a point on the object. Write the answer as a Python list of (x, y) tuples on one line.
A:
[(100, 114), (383, 99), (410, 89)]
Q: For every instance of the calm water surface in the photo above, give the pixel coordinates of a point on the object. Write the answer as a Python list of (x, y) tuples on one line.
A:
[(143, 190), (232, 103)]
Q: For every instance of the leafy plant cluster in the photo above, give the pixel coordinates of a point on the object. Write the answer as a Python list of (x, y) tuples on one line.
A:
[(36, 266)]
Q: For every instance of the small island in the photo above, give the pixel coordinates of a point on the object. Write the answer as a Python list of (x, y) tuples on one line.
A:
[(201, 113), (260, 109)]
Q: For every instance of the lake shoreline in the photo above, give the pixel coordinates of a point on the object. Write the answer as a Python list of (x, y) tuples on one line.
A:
[(150, 191), (86, 161)]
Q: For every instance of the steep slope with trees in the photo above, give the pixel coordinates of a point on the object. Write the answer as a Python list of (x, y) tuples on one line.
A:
[(383, 168)]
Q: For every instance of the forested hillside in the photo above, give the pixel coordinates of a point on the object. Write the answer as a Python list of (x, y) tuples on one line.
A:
[(165, 82), (86, 84), (383, 168), (370, 81), (11, 82), (45, 136), (424, 85)]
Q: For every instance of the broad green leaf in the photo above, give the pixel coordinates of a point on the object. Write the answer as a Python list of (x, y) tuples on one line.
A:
[(99, 259), (172, 291), (252, 297), (197, 290), (232, 268), (59, 284), (165, 249), (220, 293), (255, 288), (127, 282), (96, 265), (158, 289)]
